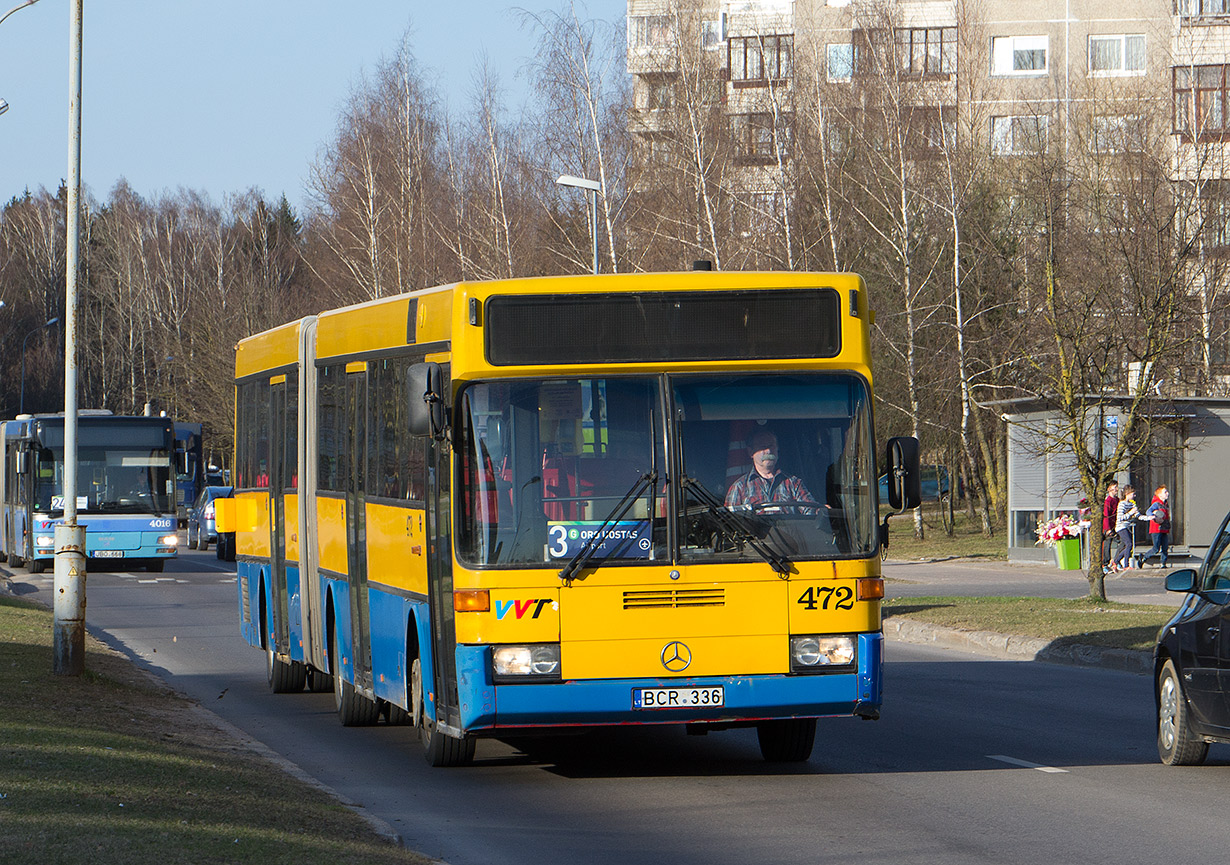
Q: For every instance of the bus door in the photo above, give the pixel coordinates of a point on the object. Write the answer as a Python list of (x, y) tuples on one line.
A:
[(440, 580), (277, 546), (356, 526)]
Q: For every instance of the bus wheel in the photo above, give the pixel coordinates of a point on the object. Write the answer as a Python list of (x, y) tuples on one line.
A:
[(353, 709), (16, 561), (37, 566), (439, 749), (285, 677), (155, 566), (318, 682), (786, 741)]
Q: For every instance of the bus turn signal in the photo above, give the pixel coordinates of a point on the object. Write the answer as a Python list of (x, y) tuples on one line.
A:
[(473, 601)]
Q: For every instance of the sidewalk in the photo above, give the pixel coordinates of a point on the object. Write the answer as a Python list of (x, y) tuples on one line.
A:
[(969, 578)]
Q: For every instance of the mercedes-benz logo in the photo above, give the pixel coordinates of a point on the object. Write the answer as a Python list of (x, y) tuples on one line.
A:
[(676, 657)]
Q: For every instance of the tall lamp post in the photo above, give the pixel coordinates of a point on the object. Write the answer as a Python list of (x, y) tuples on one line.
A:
[(68, 634), (592, 187), (4, 106), (21, 404)]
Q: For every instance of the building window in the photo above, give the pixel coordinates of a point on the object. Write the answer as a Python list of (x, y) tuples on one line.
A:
[(1117, 55), (713, 33), (1011, 136), (1119, 133), (650, 31), (1200, 101), (938, 129), (659, 92), (1018, 55), (927, 50), (1196, 9), (840, 57), (754, 139), (757, 60), (1215, 220)]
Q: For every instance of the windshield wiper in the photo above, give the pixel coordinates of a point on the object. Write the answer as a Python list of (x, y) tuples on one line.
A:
[(736, 525), (583, 555)]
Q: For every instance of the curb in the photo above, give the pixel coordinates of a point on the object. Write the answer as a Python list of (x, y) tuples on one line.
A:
[(1016, 648)]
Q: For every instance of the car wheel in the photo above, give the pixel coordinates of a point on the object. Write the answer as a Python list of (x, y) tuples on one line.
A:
[(1175, 743), (786, 741)]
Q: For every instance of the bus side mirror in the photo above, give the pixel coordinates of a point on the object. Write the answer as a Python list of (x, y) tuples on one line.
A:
[(425, 398), (904, 475), (21, 462)]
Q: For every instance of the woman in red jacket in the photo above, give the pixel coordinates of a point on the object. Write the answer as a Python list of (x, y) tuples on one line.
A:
[(1159, 525)]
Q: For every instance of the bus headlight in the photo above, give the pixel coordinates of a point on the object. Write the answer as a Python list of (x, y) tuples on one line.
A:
[(45, 541), (169, 540), (522, 662), (810, 653)]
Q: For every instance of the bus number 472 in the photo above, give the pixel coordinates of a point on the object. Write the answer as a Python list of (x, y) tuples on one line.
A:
[(841, 597)]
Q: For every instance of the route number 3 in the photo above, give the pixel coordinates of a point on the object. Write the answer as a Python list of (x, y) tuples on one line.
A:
[(841, 598)]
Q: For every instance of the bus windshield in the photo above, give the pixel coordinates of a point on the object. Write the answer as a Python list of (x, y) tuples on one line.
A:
[(115, 479), (788, 456), (544, 462)]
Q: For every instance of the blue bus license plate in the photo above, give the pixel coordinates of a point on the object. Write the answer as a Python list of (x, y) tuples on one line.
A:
[(674, 698), (108, 554)]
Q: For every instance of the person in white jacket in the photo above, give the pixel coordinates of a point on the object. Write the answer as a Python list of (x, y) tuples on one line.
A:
[(1125, 524)]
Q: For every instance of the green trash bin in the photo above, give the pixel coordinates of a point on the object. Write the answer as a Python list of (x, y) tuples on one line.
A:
[(1068, 554)]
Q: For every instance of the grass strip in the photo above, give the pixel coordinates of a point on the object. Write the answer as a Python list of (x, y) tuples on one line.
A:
[(1080, 621), (110, 767), (966, 542)]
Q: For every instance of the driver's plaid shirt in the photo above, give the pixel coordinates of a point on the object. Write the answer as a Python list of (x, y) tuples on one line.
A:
[(752, 489)]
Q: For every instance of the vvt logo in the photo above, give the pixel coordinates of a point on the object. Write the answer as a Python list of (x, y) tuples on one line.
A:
[(520, 607)]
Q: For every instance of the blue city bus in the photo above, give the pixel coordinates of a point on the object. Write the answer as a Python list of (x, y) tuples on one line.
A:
[(189, 467), (125, 489)]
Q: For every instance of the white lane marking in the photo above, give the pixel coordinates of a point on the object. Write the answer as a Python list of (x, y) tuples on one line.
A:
[(1026, 764)]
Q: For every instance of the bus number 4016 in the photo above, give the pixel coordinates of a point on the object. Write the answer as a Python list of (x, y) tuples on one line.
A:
[(842, 597)]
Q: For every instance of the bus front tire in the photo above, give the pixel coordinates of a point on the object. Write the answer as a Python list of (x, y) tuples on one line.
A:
[(439, 749), (353, 709), (786, 741), (38, 566)]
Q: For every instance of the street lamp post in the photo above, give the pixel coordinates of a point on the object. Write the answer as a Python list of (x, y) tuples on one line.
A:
[(21, 404), (4, 106), (68, 635), (591, 187)]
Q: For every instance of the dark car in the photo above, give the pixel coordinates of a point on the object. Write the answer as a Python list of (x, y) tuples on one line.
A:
[(202, 530), (934, 484), (1191, 660)]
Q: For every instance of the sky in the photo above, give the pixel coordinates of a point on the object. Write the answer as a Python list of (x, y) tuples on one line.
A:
[(227, 95)]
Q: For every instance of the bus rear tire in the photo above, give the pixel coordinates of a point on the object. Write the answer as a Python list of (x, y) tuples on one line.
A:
[(786, 741), (439, 749), (353, 709), (318, 682), (285, 677)]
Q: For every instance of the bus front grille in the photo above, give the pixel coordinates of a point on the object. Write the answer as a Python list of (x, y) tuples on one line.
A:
[(671, 598)]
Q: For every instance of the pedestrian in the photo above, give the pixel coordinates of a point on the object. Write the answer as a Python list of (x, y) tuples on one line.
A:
[(1158, 513), (1110, 509), (1125, 525)]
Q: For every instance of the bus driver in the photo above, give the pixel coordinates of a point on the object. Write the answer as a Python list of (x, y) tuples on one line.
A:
[(765, 483)]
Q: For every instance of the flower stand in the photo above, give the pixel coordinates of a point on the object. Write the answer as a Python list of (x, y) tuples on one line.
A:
[(1068, 554)]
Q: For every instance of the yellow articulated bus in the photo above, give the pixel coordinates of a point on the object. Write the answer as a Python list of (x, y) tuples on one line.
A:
[(495, 508)]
